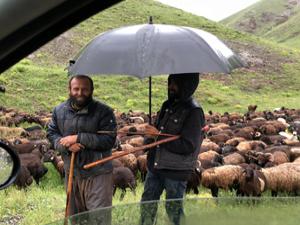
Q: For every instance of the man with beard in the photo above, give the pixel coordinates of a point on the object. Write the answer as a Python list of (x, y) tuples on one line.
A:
[(74, 128), (170, 165)]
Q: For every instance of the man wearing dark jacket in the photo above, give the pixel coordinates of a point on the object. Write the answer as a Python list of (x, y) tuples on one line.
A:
[(74, 128), (171, 164)]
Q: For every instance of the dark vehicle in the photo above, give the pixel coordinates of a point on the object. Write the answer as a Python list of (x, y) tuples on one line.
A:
[(26, 25)]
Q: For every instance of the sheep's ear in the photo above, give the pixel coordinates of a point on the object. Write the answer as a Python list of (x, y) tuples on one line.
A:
[(270, 157)]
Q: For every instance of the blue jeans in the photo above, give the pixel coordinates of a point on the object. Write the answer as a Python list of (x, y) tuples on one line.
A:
[(154, 186)]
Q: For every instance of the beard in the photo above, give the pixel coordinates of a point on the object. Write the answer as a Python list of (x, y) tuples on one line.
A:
[(81, 101)]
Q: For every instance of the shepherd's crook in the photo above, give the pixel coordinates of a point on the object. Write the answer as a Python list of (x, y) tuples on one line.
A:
[(69, 188), (118, 155), (135, 133)]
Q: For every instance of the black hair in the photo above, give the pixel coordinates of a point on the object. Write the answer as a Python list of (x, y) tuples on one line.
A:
[(82, 77)]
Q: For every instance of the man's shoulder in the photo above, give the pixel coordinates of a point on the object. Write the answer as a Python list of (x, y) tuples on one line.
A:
[(192, 104), (61, 106), (98, 105)]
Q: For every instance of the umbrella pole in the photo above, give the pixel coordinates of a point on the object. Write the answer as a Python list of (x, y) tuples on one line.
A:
[(150, 99)]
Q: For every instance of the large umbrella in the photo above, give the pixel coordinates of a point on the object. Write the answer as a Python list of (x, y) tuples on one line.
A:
[(154, 49)]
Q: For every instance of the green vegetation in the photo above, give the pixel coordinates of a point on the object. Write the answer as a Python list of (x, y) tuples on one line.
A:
[(276, 20), (39, 83)]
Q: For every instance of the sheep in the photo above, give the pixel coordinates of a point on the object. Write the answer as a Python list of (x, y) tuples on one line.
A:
[(235, 158), (246, 146), (222, 126), (209, 155), (252, 183), (219, 139), (234, 141), (35, 133), (130, 161), (136, 142), (142, 166), (227, 149), (282, 178), (24, 178), (294, 153), (136, 119), (117, 163), (275, 158), (225, 177), (252, 108), (126, 147), (10, 132), (209, 145), (216, 161), (56, 160), (34, 165), (194, 179), (246, 132), (272, 139), (123, 178)]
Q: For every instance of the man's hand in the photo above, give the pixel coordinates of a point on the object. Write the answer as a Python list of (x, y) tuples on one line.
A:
[(68, 140), (76, 147)]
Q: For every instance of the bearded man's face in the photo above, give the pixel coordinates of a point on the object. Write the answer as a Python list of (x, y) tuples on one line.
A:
[(80, 91)]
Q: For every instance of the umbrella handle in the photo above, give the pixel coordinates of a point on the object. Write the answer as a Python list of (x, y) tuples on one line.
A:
[(69, 188)]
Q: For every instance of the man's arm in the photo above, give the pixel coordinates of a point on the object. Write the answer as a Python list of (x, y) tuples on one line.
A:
[(191, 135), (54, 135), (100, 142)]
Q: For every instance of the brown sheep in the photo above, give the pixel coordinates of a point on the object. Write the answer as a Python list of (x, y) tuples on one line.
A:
[(209, 155), (246, 132), (136, 142), (268, 129), (194, 180), (252, 183), (282, 178), (34, 165), (117, 163), (219, 139), (235, 158), (142, 166), (24, 178), (246, 146), (225, 177), (123, 178), (209, 145), (130, 161), (234, 141)]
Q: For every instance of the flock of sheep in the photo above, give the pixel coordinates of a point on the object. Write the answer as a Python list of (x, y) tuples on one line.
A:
[(249, 154)]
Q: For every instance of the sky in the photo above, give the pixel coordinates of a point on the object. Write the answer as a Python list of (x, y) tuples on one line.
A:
[(215, 10)]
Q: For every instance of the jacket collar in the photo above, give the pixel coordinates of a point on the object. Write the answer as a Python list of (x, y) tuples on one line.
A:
[(84, 110)]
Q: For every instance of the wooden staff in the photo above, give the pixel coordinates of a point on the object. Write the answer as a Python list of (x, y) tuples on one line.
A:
[(135, 133), (69, 188), (118, 155)]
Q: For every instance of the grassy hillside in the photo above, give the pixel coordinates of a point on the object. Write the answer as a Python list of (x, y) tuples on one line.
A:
[(276, 20), (40, 81)]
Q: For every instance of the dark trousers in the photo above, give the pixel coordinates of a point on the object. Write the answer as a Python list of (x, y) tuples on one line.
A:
[(154, 186)]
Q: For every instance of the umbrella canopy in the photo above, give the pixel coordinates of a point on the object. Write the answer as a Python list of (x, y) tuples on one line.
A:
[(154, 49)]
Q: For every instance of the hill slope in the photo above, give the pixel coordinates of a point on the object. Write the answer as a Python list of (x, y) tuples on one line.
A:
[(273, 19), (40, 81)]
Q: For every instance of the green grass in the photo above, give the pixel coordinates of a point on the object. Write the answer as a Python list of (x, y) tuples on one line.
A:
[(46, 203), (286, 32), (41, 83), (34, 88)]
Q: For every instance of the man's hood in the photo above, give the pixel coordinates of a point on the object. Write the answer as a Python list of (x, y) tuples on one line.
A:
[(187, 84)]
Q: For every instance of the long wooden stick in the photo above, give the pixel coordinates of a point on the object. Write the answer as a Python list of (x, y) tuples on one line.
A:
[(135, 133), (118, 155), (69, 188)]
